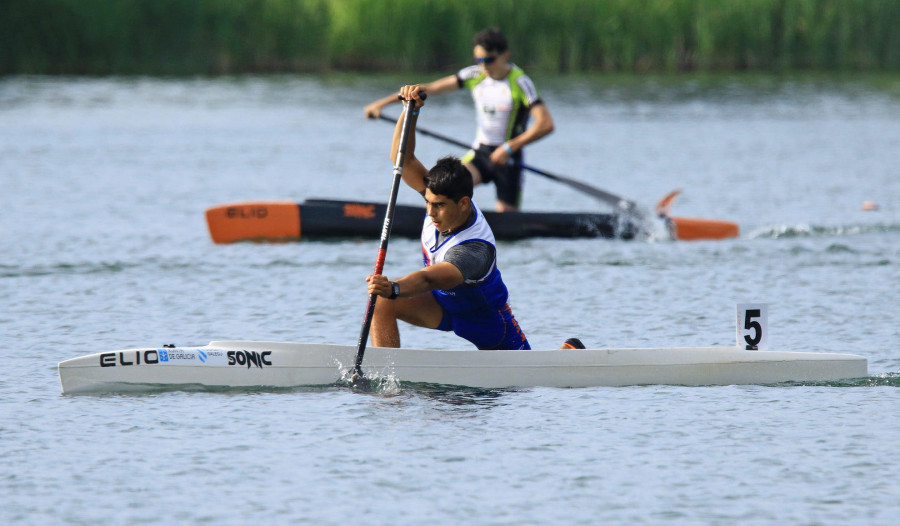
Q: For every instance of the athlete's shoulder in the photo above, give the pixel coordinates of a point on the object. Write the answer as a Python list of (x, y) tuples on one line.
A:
[(470, 75), (518, 75), (524, 83)]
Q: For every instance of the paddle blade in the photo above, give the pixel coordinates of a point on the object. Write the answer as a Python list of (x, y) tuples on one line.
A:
[(692, 229), (360, 383), (664, 206), (256, 221)]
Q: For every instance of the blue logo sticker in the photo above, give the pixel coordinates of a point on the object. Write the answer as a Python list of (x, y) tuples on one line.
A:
[(202, 355), (163, 355)]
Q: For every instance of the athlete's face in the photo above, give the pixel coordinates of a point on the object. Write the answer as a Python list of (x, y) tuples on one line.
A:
[(491, 62), (446, 214)]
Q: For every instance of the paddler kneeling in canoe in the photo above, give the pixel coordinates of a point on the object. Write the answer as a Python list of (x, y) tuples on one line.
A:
[(460, 288)]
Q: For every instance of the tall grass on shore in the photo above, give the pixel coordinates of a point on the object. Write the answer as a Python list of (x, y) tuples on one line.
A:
[(163, 36), (239, 36)]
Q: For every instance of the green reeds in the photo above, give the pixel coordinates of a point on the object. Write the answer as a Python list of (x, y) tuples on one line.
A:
[(163, 36), (239, 36)]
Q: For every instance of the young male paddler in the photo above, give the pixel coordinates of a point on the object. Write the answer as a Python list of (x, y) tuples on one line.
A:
[(460, 287)]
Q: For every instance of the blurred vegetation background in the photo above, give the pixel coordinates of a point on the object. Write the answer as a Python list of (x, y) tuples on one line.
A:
[(211, 37)]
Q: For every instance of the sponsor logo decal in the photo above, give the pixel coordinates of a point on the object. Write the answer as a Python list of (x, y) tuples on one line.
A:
[(249, 358), (359, 211), (247, 212), (180, 356), (125, 358)]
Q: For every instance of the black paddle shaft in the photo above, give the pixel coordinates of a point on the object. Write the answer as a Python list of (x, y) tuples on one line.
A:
[(385, 235), (613, 200)]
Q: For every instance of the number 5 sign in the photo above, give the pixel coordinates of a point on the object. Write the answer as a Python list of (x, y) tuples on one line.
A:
[(753, 326)]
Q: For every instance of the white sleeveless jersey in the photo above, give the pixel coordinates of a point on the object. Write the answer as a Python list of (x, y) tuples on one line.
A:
[(479, 230)]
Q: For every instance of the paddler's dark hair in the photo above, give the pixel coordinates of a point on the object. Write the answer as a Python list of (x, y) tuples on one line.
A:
[(449, 178), (491, 39)]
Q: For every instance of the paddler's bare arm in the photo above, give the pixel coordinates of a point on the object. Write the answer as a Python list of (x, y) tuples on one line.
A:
[(436, 87), (441, 276), (414, 171), (542, 126)]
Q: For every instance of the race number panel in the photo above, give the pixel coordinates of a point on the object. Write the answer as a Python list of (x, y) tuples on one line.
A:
[(753, 326)]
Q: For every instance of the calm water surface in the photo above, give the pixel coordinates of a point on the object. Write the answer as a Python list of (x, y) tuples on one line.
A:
[(103, 184)]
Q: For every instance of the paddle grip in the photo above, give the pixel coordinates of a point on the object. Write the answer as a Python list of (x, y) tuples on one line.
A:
[(422, 95), (379, 261)]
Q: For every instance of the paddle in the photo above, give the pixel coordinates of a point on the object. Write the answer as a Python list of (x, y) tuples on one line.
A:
[(358, 379), (684, 228), (611, 199)]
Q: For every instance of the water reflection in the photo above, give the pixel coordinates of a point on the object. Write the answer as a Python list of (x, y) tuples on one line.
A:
[(461, 398)]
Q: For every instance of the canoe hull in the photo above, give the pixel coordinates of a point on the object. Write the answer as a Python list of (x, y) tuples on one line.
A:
[(280, 365), (278, 221)]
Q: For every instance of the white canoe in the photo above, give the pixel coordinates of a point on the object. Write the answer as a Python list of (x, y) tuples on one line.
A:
[(274, 364)]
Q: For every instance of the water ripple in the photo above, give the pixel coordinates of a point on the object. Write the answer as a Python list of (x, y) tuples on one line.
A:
[(804, 231), (105, 247)]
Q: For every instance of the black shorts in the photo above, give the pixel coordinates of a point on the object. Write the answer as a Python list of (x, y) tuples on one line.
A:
[(506, 177)]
